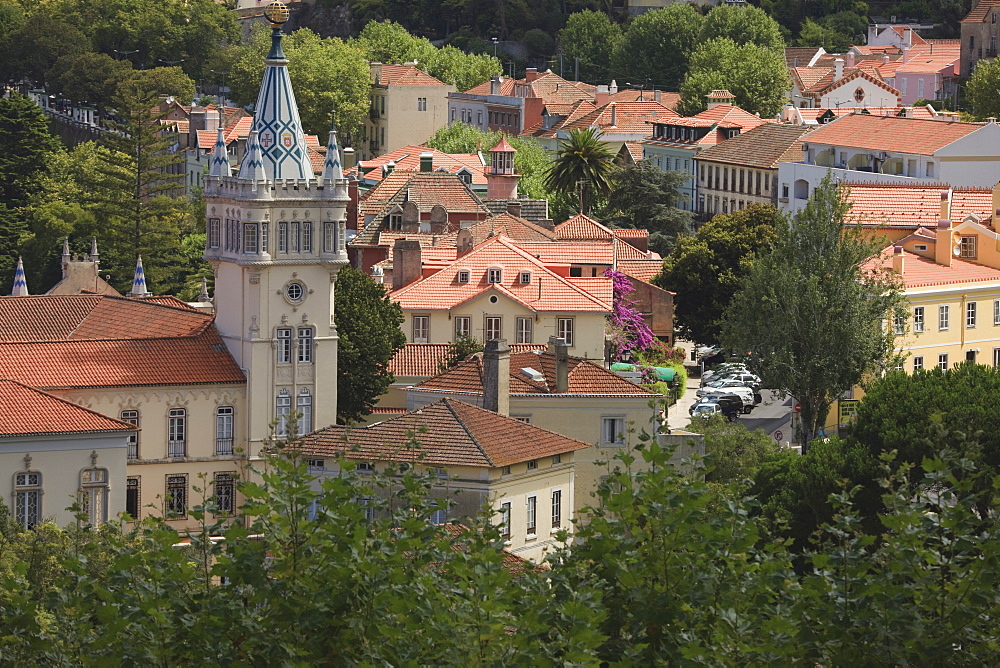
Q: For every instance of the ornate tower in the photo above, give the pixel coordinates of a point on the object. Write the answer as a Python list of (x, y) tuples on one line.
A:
[(501, 181), (275, 237)]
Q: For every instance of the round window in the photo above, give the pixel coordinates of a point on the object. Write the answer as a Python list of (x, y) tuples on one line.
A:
[(494, 299), (294, 291), (859, 95)]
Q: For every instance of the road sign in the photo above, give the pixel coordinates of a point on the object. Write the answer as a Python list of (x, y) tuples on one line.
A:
[(798, 407), (778, 435)]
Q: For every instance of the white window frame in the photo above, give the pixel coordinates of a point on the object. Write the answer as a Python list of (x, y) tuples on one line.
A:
[(492, 328), (494, 275), (524, 278), (943, 361), (556, 508), (531, 516), (996, 312), (305, 345), (176, 504), (265, 237), (282, 412), (944, 317), (224, 491), (132, 417), (177, 432), (970, 315), (214, 232), (918, 319), (329, 237), (283, 237), (505, 519), (898, 325), (463, 326), (93, 495), (307, 237), (462, 276), (918, 363), (613, 430), (27, 499), (523, 330), (250, 238), (303, 406), (564, 330), (283, 336), (996, 357), (421, 328), (133, 488), (224, 421)]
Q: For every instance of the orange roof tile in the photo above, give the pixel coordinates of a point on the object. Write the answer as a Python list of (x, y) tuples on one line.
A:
[(634, 150), (422, 359), (629, 117), (902, 205), (407, 159), (550, 87), (921, 272), (585, 377), (981, 11), (547, 290), (926, 61), (582, 228), (28, 412), (406, 75), (449, 433), (644, 270), (763, 146), (891, 133)]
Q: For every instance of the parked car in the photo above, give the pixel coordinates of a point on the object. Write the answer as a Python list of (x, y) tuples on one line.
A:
[(706, 409), (748, 379), (722, 370), (735, 400), (721, 384), (742, 391)]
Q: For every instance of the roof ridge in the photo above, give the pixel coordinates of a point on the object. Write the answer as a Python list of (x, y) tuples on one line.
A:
[(124, 426), (448, 404), (509, 243)]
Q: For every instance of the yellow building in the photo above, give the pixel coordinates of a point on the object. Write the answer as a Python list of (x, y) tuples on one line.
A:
[(568, 395), (523, 473), (54, 453)]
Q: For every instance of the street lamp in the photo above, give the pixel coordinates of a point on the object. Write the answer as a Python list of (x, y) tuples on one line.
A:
[(125, 54), (222, 89), (169, 63), (494, 47)]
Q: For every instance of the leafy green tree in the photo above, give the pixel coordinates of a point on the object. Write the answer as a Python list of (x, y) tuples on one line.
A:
[(459, 350), (88, 78), (166, 81), (734, 453), (743, 25), (813, 34), (585, 166), (328, 76), (706, 270), (811, 311), (593, 38), (369, 328), (755, 75), (983, 89), (645, 197), (39, 44), (26, 146), (656, 46), (530, 161)]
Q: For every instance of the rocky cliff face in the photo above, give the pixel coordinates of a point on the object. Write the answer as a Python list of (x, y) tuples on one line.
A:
[(331, 19)]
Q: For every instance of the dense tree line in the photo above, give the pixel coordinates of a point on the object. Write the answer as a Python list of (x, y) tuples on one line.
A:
[(666, 568)]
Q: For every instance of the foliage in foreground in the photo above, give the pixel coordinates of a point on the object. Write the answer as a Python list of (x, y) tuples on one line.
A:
[(669, 569)]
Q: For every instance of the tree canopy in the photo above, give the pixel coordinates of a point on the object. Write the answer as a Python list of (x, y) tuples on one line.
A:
[(368, 325), (983, 89), (584, 166), (755, 75), (644, 196), (811, 312), (593, 38), (654, 50), (743, 25), (706, 270)]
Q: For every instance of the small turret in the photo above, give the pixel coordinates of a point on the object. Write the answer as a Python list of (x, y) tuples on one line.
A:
[(332, 166), (220, 157), (95, 257), (203, 295), (501, 181), (139, 281), (252, 167), (20, 284), (66, 257)]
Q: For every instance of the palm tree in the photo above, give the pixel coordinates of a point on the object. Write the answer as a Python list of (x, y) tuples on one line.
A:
[(584, 166)]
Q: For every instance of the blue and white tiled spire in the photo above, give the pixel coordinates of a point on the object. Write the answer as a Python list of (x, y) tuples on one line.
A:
[(252, 167), (20, 284), (332, 165), (276, 119), (220, 158), (139, 281)]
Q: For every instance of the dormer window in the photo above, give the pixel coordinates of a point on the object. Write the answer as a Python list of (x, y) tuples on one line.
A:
[(463, 276), (967, 247), (494, 275), (524, 278), (395, 221), (465, 174)]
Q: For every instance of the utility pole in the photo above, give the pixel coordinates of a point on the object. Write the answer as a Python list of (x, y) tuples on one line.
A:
[(577, 70)]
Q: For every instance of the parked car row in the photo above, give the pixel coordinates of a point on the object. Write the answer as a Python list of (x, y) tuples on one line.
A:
[(730, 389)]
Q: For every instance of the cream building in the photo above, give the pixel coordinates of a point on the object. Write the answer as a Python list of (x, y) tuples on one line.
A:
[(523, 473), (568, 395), (407, 107), (54, 454)]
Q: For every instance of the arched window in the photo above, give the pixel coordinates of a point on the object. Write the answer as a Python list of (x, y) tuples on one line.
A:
[(801, 189), (93, 493), (27, 496)]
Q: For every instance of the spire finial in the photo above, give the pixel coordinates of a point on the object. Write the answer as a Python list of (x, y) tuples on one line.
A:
[(332, 166), (139, 281), (203, 295), (252, 166), (20, 284), (220, 157), (276, 14), (94, 255), (65, 252)]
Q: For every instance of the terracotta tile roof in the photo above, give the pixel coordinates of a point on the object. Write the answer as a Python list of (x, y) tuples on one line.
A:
[(635, 150), (814, 86), (407, 159), (903, 205), (406, 75), (27, 411), (585, 378), (570, 252), (644, 270), (629, 117), (582, 228), (547, 291), (981, 11), (94, 317), (449, 432), (891, 133), (534, 210), (926, 61), (426, 189), (811, 116), (192, 360), (570, 113), (422, 359), (512, 227), (796, 56), (921, 272), (901, 31), (627, 233), (550, 87), (626, 251), (763, 146)]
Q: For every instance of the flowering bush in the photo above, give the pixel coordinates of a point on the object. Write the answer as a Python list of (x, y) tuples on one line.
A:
[(628, 331)]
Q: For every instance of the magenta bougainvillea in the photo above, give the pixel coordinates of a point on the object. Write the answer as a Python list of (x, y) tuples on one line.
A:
[(628, 331)]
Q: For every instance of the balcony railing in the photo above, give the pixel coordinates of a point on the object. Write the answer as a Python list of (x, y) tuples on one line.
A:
[(223, 446), (176, 448), (133, 449)]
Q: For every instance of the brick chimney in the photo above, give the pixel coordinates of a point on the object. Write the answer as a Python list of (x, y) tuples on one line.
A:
[(601, 95), (495, 82), (514, 208), (406, 265), (838, 69), (897, 259), (530, 74), (943, 243), (558, 348), (945, 212), (496, 377)]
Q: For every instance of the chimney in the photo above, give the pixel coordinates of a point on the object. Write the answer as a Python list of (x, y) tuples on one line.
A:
[(614, 115), (352, 205), (546, 223), (897, 259), (613, 88), (943, 243), (850, 58), (558, 348), (464, 241), (495, 82), (945, 212), (601, 95), (996, 200), (406, 266), (838, 69), (212, 120), (496, 377), (530, 74), (908, 33), (377, 274), (657, 95), (427, 161), (350, 158), (514, 208)]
